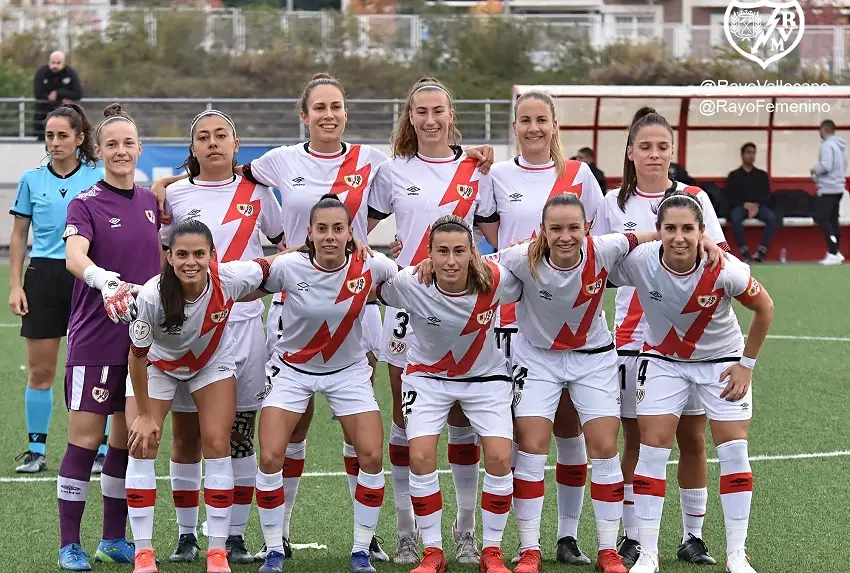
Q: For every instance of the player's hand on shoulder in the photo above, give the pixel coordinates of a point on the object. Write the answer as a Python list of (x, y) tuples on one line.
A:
[(424, 271), (712, 253), (395, 248), (361, 250), (485, 154)]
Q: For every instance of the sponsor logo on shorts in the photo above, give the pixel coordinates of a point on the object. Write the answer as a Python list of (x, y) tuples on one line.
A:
[(356, 286), (141, 330), (745, 406), (707, 300), (99, 394), (69, 231), (397, 346), (639, 395)]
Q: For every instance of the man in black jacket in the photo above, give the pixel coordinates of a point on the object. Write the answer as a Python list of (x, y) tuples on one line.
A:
[(748, 189), (586, 154), (55, 83)]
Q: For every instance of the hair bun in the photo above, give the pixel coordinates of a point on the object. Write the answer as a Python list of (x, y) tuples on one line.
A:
[(330, 196), (112, 110), (321, 76), (643, 112), (427, 80)]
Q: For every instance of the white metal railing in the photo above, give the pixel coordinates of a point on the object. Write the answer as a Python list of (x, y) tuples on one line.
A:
[(399, 35), (168, 119)]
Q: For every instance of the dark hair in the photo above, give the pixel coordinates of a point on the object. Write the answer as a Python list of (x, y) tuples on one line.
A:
[(643, 117), (539, 247), (192, 165), (585, 151), (82, 126), (327, 201), (480, 276), (170, 289), (404, 141), (112, 111), (748, 145), (675, 198), (320, 79), (828, 125)]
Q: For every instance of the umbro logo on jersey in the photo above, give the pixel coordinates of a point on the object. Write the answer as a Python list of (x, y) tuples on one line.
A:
[(630, 226), (193, 213), (655, 295), (63, 192), (433, 321), (545, 295), (302, 286), (514, 197), (298, 182), (115, 222), (413, 190)]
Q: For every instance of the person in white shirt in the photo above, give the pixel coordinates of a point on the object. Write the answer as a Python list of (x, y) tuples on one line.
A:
[(693, 342), (454, 359), (322, 351), (179, 339), (428, 177), (632, 207), (237, 211), (521, 187)]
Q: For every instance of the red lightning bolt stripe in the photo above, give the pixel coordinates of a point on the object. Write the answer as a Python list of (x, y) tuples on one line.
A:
[(592, 290), (354, 186), (672, 345), (483, 304), (247, 220), (216, 306), (325, 342), (462, 177)]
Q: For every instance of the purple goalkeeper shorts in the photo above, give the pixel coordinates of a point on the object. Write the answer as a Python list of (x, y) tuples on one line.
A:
[(96, 389)]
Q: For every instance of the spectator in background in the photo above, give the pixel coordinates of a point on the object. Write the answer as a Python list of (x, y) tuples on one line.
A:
[(677, 173), (748, 189), (55, 83), (586, 154), (829, 175)]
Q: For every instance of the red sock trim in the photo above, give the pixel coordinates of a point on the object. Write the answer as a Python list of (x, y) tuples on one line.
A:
[(243, 494), (368, 496), (399, 455), (607, 492), (524, 489), (735, 483), (423, 506), (352, 466), (141, 498), (494, 503), (571, 475), (186, 499), (464, 454), (270, 499), (649, 486), (218, 498), (292, 468)]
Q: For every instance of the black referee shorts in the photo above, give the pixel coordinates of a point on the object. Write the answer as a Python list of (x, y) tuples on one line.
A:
[(48, 286)]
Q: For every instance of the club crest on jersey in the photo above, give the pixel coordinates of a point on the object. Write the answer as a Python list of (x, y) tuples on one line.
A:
[(141, 330), (465, 191), (707, 300), (485, 317), (218, 317), (149, 214), (594, 287), (397, 346), (70, 230), (99, 394), (754, 289), (245, 209), (353, 181), (356, 286)]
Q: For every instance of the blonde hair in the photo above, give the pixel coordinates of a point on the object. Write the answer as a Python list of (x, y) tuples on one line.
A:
[(539, 247), (480, 276), (404, 140), (556, 150)]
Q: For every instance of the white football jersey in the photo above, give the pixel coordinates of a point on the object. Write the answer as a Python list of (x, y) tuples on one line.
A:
[(453, 331), (324, 309), (236, 211), (184, 350), (420, 190), (640, 217), (562, 308), (303, 176), (522, 189), (689, 316)]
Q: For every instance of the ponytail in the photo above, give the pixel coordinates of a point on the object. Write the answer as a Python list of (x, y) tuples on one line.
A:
[(643, 117)]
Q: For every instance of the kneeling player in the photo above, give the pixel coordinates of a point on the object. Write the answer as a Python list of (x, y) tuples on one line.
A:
[(322, 351), (693, 340), (454, 358), (180, 337)]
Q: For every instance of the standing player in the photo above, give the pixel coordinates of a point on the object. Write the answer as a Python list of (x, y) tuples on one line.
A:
[(649, 151), (180, 339), (454, 359), (44, 300), (237, 211), (427, 178), (521, 187), (111, 239), (692, 342), (322, 350)]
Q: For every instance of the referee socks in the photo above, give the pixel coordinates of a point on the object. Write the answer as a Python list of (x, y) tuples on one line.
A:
[(38, 405)]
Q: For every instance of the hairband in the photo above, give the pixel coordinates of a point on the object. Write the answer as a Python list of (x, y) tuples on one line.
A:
[(107, 120), (690, 197), (431, 87), (207, 112), (444, 223)]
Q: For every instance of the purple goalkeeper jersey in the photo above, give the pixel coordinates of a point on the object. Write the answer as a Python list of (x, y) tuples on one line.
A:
[(122, 227)]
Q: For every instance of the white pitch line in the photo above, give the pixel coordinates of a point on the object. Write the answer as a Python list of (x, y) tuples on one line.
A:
[(756, 458)]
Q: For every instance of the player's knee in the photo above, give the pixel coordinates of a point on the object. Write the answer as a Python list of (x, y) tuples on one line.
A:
[(271, 458), (497, 463), (242, 435), (40, 376), (691, 445), (534, 442), (371, 459), (422, 461)]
